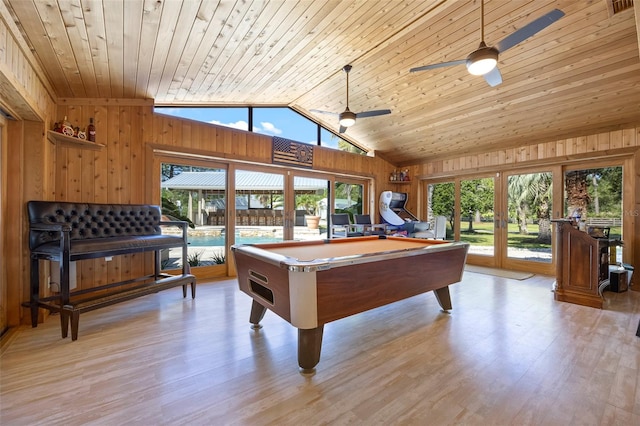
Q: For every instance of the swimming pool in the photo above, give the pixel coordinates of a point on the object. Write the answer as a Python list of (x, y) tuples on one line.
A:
[(219, 240)]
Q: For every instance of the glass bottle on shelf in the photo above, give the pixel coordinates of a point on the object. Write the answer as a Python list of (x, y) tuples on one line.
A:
[(91, 131)]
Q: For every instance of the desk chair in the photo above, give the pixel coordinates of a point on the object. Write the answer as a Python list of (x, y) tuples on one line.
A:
[(342, 227), (363, 223)]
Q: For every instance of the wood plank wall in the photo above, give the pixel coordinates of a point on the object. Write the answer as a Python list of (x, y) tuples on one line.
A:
[(27, 163), (566, 150)]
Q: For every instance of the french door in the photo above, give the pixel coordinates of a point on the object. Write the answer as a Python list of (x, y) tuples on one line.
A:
[(477, 218), (505, 217), (526, 208), (469, 208)]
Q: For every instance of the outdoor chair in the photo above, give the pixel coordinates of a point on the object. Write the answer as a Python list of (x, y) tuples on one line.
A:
[(364, 225), (342, 227), (437, 232)]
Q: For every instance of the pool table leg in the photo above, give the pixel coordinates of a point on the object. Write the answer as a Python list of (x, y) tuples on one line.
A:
[(309, 346), (257, 313), (443, 297)]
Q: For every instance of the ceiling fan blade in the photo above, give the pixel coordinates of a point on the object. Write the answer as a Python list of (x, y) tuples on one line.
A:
[(440, 65), (323, 112), (342, 129), (529, 30), (493, 77), (373, 113)]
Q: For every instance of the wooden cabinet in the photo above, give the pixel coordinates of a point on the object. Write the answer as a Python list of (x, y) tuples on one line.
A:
[(582, 264)]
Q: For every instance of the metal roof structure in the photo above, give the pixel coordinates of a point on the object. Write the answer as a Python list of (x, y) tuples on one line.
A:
[(245, 181)]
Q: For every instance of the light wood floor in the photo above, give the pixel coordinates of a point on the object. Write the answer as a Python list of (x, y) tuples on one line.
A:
[(506, 354)]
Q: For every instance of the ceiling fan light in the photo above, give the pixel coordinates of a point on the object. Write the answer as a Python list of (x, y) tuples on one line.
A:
[(482, 61), (347, 118)]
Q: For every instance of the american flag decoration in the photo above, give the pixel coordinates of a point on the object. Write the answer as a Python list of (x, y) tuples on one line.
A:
[(292, 153)]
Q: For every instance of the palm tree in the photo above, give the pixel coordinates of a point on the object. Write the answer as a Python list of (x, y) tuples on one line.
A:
[(532, 191)]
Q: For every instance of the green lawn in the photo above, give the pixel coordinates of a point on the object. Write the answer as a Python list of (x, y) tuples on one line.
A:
[(482, 235)]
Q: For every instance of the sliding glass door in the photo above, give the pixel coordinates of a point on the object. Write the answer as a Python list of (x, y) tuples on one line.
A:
[(196, 192), (259, 215), (311, 197)]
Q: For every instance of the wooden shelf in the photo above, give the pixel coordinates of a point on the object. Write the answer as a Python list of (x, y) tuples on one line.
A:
[(58, 138), (400, 182)]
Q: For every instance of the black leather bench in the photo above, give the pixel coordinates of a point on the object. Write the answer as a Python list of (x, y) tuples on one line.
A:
[(66, 232)]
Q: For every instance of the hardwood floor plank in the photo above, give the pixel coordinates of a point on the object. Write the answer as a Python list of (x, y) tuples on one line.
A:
[(507, 353)]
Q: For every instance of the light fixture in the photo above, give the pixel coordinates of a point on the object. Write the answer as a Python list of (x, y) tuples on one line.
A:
[(483, 60), (347, 118)]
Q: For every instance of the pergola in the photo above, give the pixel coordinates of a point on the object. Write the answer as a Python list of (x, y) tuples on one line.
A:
[(245, 181)]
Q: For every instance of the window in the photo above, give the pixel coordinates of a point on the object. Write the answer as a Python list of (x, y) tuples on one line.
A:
[(236, 118), (286, 123), (272, 121)]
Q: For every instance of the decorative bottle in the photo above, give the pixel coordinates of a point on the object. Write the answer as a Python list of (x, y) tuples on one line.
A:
[(91, 131)]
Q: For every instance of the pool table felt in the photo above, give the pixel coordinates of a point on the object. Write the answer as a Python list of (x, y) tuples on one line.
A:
[(345, 247)]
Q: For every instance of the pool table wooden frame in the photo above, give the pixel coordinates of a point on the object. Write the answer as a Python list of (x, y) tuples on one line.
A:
[(311, 283)]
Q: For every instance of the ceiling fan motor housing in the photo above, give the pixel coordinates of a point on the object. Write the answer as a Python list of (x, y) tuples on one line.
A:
[(482, 60), (347, 118)]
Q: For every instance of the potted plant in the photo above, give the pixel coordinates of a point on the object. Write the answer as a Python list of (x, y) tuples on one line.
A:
[(309, 202)]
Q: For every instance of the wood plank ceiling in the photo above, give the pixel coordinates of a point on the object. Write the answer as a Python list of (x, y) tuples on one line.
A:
[(579, 76)]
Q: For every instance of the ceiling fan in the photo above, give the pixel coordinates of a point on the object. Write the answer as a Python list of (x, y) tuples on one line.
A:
[(483, 61), (347, 118)]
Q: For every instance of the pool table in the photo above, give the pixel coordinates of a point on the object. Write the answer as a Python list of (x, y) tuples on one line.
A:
[(311, 283)]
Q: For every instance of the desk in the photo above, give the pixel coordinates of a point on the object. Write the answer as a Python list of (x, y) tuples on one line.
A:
[(311, 283)]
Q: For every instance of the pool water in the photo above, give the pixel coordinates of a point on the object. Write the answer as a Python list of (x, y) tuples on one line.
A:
[(219, 240)]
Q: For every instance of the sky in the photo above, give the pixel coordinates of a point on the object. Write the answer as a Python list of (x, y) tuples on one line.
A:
[(282, 122)]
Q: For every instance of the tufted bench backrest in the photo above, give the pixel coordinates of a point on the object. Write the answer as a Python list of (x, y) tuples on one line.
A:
[(89, 220)]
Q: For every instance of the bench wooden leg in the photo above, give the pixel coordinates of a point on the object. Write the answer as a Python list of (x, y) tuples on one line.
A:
[(35, 291), (64, 323), (74, 316), (193, 289), (75, 320)]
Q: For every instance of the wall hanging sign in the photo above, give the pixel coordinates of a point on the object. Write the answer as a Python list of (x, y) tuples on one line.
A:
[(292, 153)]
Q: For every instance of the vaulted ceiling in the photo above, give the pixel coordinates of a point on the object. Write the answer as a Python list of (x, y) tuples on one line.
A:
[(580, 75)]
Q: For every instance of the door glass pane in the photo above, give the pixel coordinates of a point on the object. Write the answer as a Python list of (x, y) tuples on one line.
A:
[(311, 197), (348, 198), (441, 202), (259, 214), (476, 215), (594, 197), (197, 195), (529, 209)]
